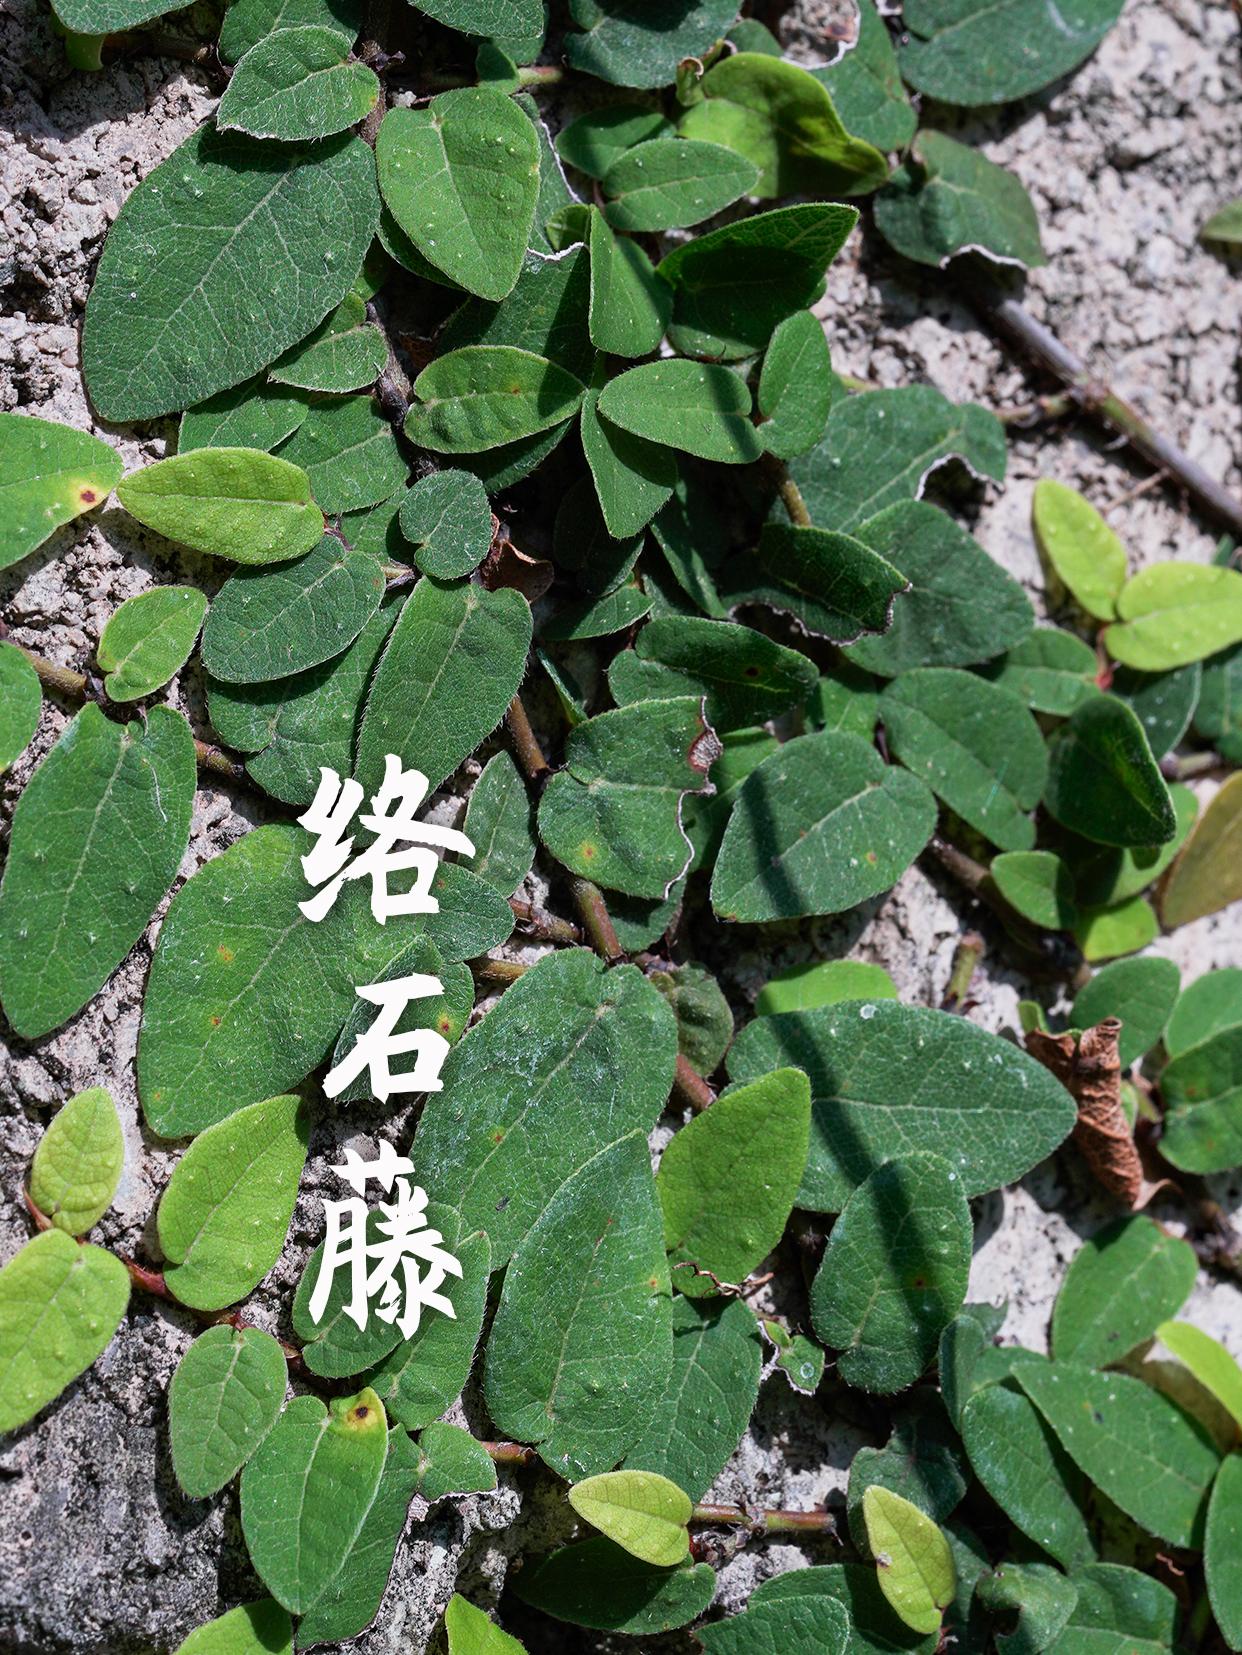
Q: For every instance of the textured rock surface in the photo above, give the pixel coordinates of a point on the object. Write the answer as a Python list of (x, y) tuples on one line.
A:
[(99, 1553)]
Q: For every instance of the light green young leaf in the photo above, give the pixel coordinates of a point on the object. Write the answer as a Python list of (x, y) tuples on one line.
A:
[(251, 415), (728, 1179), (817, 828), (21, 702), (261, 1628), (1140, 992), (471, 1632), (1107, 933), (885, 1076), (237, 503), (781, 118), (1221, 1547), (60, 1304), (796, 386), (49, 474), (1207, 874), (148, 639), (595, 141), (345, 353), (223, 221), (567, 1023), (1023, 1467), (1139, 1448), (1174, 613), (668, 183), (1102, 780), (948, 199), (1079, 547), (297, 84), (1202, 1090), (832, 584), (991, 51), (461, 178), (246, 22), (225, 1213), (500, 823), (582, 1344), (1208, 1360), (642, 1511), (484, 396), (349, 452), (915, 1566), (894, 1272), (448, 521), (77, 1166), (642, 48), (1121, 1284), (865, 85), (224, 1398), (306, 1492), (97, 836), (452, 665), (1224, 225), (1211, 1003), (1038, 885), (823, 983)]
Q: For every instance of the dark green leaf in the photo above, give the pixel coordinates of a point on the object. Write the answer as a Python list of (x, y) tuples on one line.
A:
[(640, 45), (500, 824), (874, 1627), (630, 302), (1038, 1595), (297, 84), (1221, 1549), (451, 1461), (261, 1628), (667, 183), (1164, 702), (546, 313), (1218, 715), (224, 1398), (832, 584), (1119, 1612), (699, 408), (21, 702), (1052, 671), (990, 51), (446, 517), (948, 198), (632, 478), (597, 1584), (1202, 1089), (788, 1626), (704, 1020), (1121, 1284), (485, 396), (1211, 1003), (1102, 780), (1019, 1461), (246, 22), (594, 141), (345, 353), (796, 386), (615, 611), (922, 1461), (1140, 992), (865, 84), (1105, 933), (823, 983), (349, 453), (251, 415), (746, 677)]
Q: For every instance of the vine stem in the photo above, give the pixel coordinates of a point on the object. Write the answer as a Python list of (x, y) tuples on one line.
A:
[(791, 495)]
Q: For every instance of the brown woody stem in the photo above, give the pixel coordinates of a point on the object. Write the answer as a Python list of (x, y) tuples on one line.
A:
[(526, 742), (777, 473), (767, 1522), (537, 922), (689, 1087), (596, 920), (498, 971)]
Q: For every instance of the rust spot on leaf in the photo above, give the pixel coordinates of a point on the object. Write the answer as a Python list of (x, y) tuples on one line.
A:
[(226, 954)]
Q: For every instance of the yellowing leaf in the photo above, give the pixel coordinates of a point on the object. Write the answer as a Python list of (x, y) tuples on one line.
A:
[(237, 503), (916, 1569), (1209, 1361), (49, 474), (77, 1165), (641, 1510), (1174, 613)]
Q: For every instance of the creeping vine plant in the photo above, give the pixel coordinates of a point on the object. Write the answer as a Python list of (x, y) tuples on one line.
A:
[(485, 416)]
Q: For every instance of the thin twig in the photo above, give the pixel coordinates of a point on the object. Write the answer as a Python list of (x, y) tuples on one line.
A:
[(966, 960), (526, 743), (689, 1087), (767, 1522), (537, 922), (596, 920), (777, 473), (154, 43), (498, 971)]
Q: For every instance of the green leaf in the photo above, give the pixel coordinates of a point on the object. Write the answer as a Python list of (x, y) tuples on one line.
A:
[(734, 285), (1225, 225), (261, 1628), (1120, 1286), (1202, 1091), (1136, 1446), (333, 1344), (914, 1564), (615, 611), (49, 474), (745, 677), (1211, 1003), (484, 396), (865, 85), (546, 314), (894, 1272), (148, 639), (1052, 671), (699, 408), (845, 699), (885, 1076), (60, 1304), (448, 521), (454, 662), (581, 1346), (500, 823), (642, 1511), (290, 727), (461, 178), (245, 994), (96, 840), (507, 18), (1038, 885), (922, 1461), (823, 983), (974, 744), (1209, 1362), (948, 199), (251, 415), (269, 623), (351, 1600), (614, 813), (1218, 713), (782, 119), (597, 1584), (246, 22), (874, 1628), (1026, 1471), (1163, 702), (349, 452), (831, 584), (704, 1020), (959, 608), (21, 703), (306, 1492), (297, 84), (1222, 1541), (799, 1359), (1105, 933), (630, 302), (567, 1023), (991, 51), (1102, 780), (668, 183), (470, 1632), (642, 46), (796, 386), (728, 1179), (237, 503), (1207, 875), (715, 1354), (452, 1462), (594, 141), (218, 262), (632, 478), (817, 828), (1106, 875), (882, 446), (1140, 992), (1034, 1598), (788, 1626), (225, 1214), (1173, 613), (425, 1374), (77, 1166), (224, 1398), (344, 353), (1119, 1612)]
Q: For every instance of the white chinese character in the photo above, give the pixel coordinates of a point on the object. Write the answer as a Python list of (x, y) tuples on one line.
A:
[(376, 1044), (405, 1243), (391, 819)]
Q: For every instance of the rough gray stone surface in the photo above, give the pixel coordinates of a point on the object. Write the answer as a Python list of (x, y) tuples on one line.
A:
[(99, 1553)]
